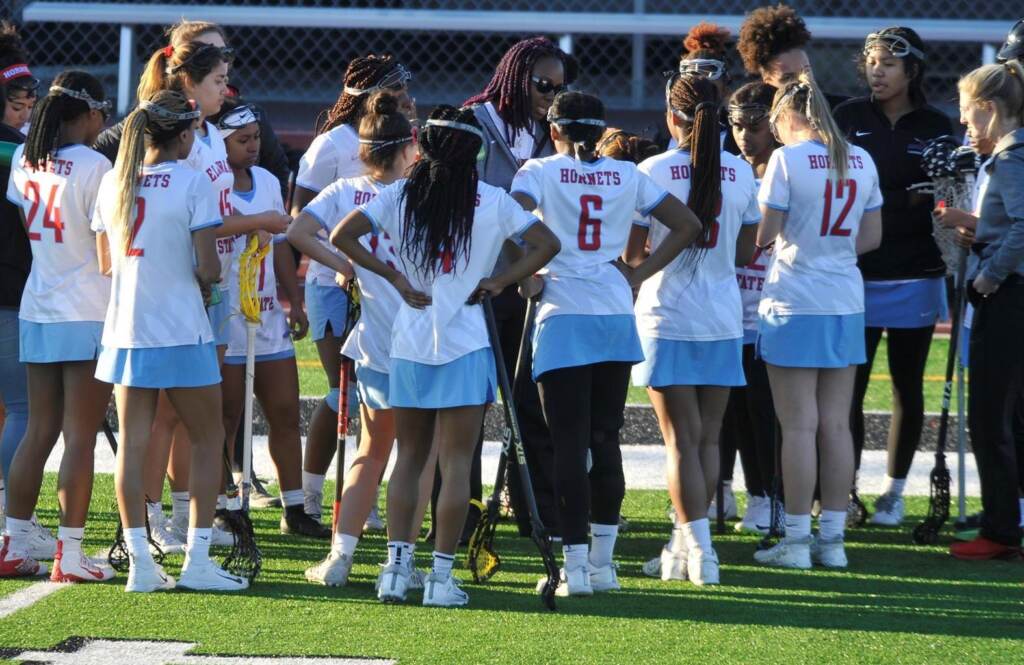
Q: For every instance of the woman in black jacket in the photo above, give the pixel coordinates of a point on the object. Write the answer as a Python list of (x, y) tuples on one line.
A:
[(904, 283)]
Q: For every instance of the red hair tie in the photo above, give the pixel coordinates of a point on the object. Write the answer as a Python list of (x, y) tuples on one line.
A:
[(168, 51)]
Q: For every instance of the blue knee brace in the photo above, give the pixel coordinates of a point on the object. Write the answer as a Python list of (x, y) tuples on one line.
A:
[(331, 399)]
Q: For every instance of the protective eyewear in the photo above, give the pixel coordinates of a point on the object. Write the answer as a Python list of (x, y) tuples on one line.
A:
[(546, 86), (396, 79), (898, 46), (747, 114), (555, 120), (706, 67), (81, 95), (159, 111)]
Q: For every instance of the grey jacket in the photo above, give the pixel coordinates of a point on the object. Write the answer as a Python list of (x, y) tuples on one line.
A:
[(496, 164), (999, 241)]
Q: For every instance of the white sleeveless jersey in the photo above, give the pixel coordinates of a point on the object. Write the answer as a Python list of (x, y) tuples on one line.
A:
[(449, 328), (691, 300), (272, 336), (154, 298), (814, 270), (590, 207), (212, 160), (331, 156), (751, 282), (329, 207), (65, 283)]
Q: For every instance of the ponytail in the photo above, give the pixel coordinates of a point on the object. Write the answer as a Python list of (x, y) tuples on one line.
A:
[(73, 94), (695, 100), (805, 98), (440, 193), (174, 67), (580, 118)]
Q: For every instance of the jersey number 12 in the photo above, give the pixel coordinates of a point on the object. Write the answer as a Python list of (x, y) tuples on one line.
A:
[(843, 189)]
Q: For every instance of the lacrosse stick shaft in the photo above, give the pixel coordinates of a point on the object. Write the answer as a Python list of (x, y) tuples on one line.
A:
[(250, 379), (108, 432), (343, 421)]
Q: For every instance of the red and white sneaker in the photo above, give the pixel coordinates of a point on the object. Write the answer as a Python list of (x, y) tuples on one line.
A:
[(76, 567), (16, 564)]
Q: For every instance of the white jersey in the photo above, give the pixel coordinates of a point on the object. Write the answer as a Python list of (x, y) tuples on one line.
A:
[(65, 283), (155, 299), (449, 328), (331, 156), (814, 270), (272, 336), (751, 282), (369, 343), (695, 301), (329, 207), (212, 159), (590, 207)]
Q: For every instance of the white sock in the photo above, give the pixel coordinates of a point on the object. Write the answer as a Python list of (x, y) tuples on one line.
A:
[(443, 564), (832, 524), (138, 545), (895, 486), (18, 531), (575, 555), (677, 543), (344, 544), (155, 513), (197, 545), (602, 544), (798, 526), (313, 491), (179, 508), (292, 498), (71, 538), (399, 553), (698, 534)]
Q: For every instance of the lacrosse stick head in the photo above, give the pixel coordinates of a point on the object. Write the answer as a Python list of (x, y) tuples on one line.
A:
[(927, 532), (965, 162), (935, 158), (118, 557), (248, 271), (547, 593), (245, 558), (483, 561)]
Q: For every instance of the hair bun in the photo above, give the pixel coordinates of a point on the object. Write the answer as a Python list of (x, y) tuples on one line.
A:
[(706, 37), (384, 103)]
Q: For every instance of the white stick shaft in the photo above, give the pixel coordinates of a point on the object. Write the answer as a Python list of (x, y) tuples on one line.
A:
[(250, 378)]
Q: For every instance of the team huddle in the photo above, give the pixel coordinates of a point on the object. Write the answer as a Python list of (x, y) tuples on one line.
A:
[(744, 277)]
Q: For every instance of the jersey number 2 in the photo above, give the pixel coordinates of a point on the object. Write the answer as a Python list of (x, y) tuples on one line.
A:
[(847, 187), (51, 215), (589, 232)]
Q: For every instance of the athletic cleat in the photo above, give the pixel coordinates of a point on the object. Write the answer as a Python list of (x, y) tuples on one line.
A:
[(575, 582), (605, 578), (373, 521), (888, 510), (856, 511), (444, 591), (332, 571), (416, 578), (299, 523), (729, 499), (623, 524), (208, 576), (758, 516), (17, 564), (164, 535), (41, 545), (787, 554), (259, 497), (983, 549), (828, 553), (393, 583), (702, 567), (77, 568), (668, 566), (147, 577)]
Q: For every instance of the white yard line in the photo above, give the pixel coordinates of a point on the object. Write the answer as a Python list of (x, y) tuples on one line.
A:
[(27, 597)]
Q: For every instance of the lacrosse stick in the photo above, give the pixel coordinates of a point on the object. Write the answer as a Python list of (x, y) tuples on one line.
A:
[(117, 557), (245, 558), (344, 420), (777, 526), (483, 560)]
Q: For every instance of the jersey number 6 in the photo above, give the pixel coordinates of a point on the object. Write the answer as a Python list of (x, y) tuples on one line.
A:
[(589, 232), (847, 187)]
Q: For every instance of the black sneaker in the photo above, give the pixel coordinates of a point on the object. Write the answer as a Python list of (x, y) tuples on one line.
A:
[(259, 497), (296, 522)]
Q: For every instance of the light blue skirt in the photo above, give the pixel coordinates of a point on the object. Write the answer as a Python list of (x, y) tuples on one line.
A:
[(573, 340), (471, 379), (916, 304), (66, 341), (189, 366), (266, 357), (824, 341), (373, 388), (669, 362), (218, 315), (326, 306)]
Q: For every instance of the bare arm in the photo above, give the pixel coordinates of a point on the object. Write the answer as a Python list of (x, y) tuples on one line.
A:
[(269, 221), (770, 227), (285, 270), (745, 244), (683, 228), (541, 247), (869, 237), (636, 248), (103, 253), (301, 198), (302, 236), (207, 263)]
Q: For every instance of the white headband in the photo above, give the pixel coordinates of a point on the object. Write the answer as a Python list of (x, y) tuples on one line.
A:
[(158, 110), (451, 124)]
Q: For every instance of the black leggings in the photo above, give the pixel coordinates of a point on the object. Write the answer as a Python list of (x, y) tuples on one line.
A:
[(749, 425), (908, 355), (584, 409)]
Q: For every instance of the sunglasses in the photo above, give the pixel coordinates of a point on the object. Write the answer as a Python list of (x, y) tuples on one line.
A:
[(546, 86), (706, 67), (898, 46)]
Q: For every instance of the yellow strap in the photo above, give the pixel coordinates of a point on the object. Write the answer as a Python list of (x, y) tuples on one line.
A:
[(248, 271)]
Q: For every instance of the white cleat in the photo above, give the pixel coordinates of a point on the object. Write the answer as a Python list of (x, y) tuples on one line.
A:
[(444, 591), (147, 577), (888, 510), (828, 553), (393, 584), (373, 520), (729, 501), (332, 571), (76, 567), (667, 566), (42, 546), (702, 567), (605, 578), (208, 576), (575, 582), (758, 516), (416, 578), (166, 537), (787, 554)]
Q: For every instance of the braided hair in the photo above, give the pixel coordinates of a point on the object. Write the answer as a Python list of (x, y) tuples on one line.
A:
[(173, 67), (362, 73), (144, 128), (570, 106), (626, 146), (695, 101), (509, 88), (440, 193), (54, 110)]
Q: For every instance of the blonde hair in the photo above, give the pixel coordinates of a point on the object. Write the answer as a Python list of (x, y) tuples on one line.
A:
[(1003, 85), (803, 96), (143, 128)]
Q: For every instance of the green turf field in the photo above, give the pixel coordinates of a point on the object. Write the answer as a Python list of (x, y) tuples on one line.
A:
[(897, 604), (313, 382)]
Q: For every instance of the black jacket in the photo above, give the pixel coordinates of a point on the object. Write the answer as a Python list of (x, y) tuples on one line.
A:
[(272, 156), (908, 250), (15, 252)]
